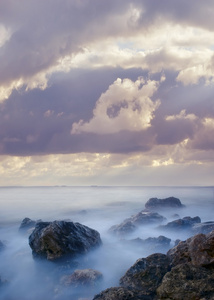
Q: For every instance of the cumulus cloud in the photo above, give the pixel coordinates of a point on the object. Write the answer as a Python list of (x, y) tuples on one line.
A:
[(126, 105)]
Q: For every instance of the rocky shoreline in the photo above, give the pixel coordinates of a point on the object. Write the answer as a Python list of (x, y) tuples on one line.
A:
[(182, 270)]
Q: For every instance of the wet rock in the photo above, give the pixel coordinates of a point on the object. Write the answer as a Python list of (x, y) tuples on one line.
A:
[(170, 202), (130, 224), (86, 277), (181, 224), (146, 274), (61, 239), (197, 250), (186, 281), (120, 293)]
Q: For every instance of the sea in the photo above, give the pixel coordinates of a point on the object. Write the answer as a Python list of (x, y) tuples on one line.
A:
[(98, 207)]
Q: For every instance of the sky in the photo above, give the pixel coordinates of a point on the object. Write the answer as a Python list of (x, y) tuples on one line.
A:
[(117, 92)]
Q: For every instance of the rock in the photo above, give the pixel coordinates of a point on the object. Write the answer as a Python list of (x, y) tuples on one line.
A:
[(2, 246), (146, 274), (120, 293), (153, 244), (130, 224), (204, 227), (156, 204), (61, 239), (86, 277), (27, 224), (197, 250), (181, 224), (186, 281)]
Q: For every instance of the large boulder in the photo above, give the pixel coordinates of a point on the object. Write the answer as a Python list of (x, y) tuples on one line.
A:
[(140, 219), (186, 281), (197, 250), (59, 239), (156, 204), (146, 274)]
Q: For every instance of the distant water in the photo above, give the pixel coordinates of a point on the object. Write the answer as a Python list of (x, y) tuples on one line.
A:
[(97, 207)]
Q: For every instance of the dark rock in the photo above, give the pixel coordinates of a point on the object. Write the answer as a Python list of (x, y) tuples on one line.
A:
[(146, 274), (121, 293), (130, 224), (86, 277), (197, 250), (27, 224), (170, 202), (186, 281), (59, 239), (181, 224)]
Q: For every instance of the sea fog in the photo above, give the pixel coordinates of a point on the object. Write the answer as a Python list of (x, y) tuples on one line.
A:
[(96, 207)]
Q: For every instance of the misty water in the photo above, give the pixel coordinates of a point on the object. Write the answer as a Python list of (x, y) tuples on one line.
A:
[(95, 207)]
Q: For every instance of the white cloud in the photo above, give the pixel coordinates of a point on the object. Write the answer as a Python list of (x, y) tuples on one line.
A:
[(126, 105), (180, 116)]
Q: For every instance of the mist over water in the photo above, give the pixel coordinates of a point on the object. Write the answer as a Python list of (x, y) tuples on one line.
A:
[(96, 207)]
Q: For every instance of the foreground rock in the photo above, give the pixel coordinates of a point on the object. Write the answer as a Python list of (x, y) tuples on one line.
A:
[(186, 281), (119, 293), (170, 202), (132, 223), (59, 239), (146, 274), (186, 272), (197, 250)]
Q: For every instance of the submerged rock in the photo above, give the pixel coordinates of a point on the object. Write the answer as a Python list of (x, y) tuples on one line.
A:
[(58, 239), (2, 246), (170, 202), (130, 224), (181, 224), (204, 227), (152, 244), (86, 277), (27, 224)]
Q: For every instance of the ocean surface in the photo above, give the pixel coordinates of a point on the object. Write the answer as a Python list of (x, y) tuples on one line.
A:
[(97, 207)]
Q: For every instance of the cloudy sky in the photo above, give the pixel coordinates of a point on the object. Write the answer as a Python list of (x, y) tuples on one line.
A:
[(117, 92)]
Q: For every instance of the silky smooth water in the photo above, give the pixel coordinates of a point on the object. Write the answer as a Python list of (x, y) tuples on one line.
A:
[(97, 207)]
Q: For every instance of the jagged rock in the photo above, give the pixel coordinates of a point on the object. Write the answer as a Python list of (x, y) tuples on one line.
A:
[(197, 250), (170, 202), (120, 293), (130, 224), (186, 281), (146, 274), (58, 239), (86, 277), (27, 224), (181, 224)]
